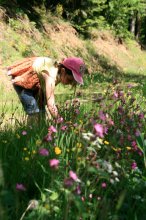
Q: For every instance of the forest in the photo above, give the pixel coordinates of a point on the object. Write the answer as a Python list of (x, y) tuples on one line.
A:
[(125, 17)]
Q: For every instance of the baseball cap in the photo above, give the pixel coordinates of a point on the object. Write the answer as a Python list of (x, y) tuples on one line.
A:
[(77, 66)]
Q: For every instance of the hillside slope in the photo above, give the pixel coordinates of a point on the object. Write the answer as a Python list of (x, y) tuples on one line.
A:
[(21, 38)]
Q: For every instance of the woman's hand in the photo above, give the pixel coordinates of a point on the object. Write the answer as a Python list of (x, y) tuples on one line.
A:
[(49, 90)]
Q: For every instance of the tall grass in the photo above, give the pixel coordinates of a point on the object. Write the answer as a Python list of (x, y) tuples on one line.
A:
[(98, 170)]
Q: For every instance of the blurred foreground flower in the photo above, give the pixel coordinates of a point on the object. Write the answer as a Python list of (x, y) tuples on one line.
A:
[(74, 176), (54, 163), (43, 152), (24, 132), (134, 165), (52, 129), (20, 187), (57, 150)]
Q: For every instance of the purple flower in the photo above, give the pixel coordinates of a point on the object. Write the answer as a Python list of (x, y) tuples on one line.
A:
[(20, 187), (134, 165), (78, 190), (68, 182), (47, 138), (54, 163), (43, 152), (103, 185)]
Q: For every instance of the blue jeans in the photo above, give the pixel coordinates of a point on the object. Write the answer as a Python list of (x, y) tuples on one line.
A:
[(29, 100)]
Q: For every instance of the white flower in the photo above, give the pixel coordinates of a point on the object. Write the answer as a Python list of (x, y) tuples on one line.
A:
[(115, 173)]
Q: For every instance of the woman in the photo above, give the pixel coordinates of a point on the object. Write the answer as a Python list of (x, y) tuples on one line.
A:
[(35, 78)]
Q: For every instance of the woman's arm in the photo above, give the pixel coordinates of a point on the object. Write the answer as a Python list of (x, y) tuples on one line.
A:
[(50, 87)]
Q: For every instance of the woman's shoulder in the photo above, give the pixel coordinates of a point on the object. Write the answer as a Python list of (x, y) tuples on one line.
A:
[(42, 63)]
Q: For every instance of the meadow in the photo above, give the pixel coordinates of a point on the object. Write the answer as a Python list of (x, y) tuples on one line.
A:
[(89, 164)]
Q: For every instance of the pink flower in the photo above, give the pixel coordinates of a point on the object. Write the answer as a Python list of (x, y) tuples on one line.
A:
[(24, 132), (134, 165), (47, 138), (20, 187), (99, 130), (64, 127), (102, 116), (115, 95), (43, 152), (103, 185), (54, 163), (52, 129), (78, 190), (77, 111), (59, 120), (73, 175)]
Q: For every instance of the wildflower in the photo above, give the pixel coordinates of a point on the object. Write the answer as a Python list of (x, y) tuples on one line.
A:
[(83, 198), (24, 132), (34, 152), (78, 190), (106, 142), (64, 127), (57, 150), (103, 185), (134, 165), (68, 182), (90, 195), (54, 163), (25, 148), (77, 111), (102, 116), (115, 173), (52, 129), (47, 138), (20, 187), (99, 130), (74, 176), (128, 148), (26, 158), (43, 152), (38, 142), (33, 204), (59, 120), (79, 145)]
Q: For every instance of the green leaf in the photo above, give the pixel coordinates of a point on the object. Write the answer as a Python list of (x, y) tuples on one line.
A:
[(54, 196)]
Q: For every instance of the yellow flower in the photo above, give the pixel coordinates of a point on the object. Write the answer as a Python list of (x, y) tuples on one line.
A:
[(57, 150), (46, 206), (25, 149), (79, 145), (106, 142), (26, 158), (128, 148), (116, 149), (34, 151), (38, 142)]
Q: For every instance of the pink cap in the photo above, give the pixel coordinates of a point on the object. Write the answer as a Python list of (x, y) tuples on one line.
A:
[(77, 66)]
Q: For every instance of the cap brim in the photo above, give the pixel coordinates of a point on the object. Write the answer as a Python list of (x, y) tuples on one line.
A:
[(78, 77)]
